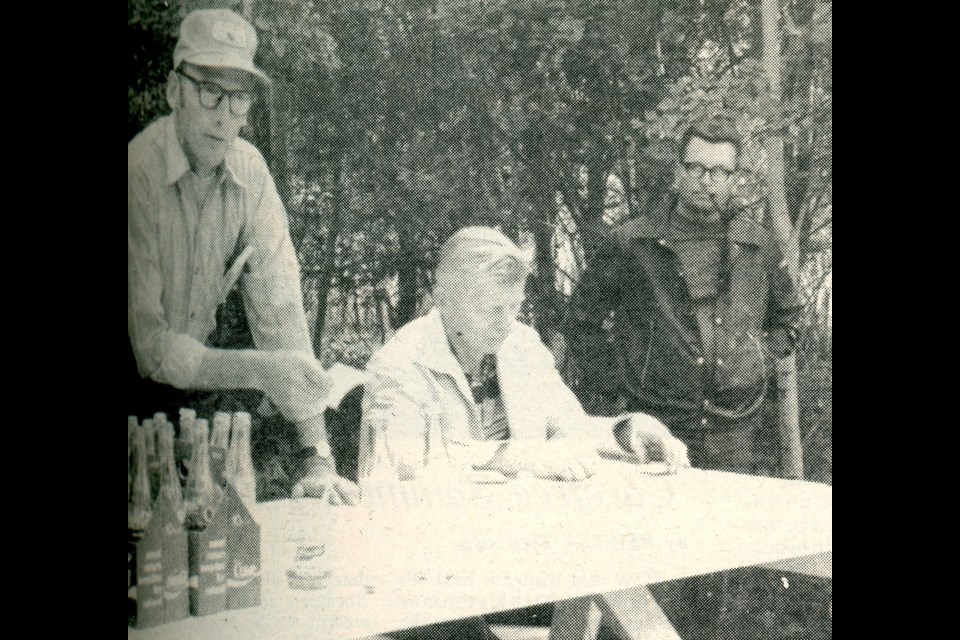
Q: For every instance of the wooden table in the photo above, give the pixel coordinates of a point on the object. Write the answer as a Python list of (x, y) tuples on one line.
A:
[(426, 556)]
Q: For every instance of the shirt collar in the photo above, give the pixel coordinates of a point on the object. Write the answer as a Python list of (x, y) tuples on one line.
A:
[(175, 159), (177, 163), (435, 353)]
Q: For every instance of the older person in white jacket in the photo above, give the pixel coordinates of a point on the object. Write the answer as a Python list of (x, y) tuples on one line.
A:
[(489, 381), (469, 386)]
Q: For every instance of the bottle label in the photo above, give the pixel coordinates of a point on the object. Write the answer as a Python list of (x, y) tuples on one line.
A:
[(207, 572)]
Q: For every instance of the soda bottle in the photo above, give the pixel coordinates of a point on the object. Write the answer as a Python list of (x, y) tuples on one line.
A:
[(139, 505), (239, 462), (169, 478), (183, 443), (219, 440), (132, 426), (138, 514), (149, 437), (202, 494), (187, 418), (150, 427)]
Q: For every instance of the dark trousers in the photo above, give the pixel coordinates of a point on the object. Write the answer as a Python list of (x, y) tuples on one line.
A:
[(466, 629), (731, 446)]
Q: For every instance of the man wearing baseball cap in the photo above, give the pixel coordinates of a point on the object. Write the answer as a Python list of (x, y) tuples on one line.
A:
[(204, 222)]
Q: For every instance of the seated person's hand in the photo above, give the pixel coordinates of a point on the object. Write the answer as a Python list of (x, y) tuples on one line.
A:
[(650, 440), (321, 481), (564, 459), (294, 379)]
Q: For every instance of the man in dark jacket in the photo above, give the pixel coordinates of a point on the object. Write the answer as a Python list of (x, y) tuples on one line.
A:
[(701, 303)]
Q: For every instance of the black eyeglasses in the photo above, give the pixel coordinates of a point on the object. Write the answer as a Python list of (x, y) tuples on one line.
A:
[(211, 94), (716, 174)]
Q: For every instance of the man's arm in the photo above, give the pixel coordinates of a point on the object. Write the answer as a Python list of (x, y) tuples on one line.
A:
[(273, 302), (272, 295), (785, 309), (178, 359), (635, 433)]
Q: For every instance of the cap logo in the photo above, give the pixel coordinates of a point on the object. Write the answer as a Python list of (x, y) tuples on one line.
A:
[(229, 33)]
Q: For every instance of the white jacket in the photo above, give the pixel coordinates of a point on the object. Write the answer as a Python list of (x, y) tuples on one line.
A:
[(415, 373)]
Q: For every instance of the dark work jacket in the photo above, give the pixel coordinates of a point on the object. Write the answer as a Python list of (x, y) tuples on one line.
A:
[(647, 355)]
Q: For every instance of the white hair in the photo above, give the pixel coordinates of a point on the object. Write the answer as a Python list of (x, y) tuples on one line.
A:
[(480, 251)]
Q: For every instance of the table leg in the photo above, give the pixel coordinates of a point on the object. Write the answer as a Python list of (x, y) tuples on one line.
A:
[(634, 615), (576, 619)]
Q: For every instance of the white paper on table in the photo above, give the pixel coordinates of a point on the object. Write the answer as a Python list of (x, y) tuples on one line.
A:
[(345, 379)]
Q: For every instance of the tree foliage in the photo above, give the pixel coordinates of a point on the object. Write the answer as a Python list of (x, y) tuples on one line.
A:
[(391, 123)]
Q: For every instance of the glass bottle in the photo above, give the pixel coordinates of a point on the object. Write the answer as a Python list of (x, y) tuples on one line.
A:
[(219, 441), (169, 478), (139, 505), (184, 442), (202, 495), (437, 462), (150, 427), (138, 513), (239, 464), (187, 418), (132, 426)]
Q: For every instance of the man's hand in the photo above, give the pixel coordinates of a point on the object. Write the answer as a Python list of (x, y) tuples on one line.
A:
[(322, 481), (294, 380), (564, 459), (651, 440)]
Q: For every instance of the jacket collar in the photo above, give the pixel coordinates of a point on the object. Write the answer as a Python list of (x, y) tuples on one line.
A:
[(433, 351), (741, 230)]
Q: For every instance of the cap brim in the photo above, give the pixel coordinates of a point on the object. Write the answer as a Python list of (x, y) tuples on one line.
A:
[(219, 61)]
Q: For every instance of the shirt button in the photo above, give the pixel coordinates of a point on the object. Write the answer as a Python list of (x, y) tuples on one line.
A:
[(718, 320), (719, 362), (661, 242), (706, 403), (703, 421), (700, 360)]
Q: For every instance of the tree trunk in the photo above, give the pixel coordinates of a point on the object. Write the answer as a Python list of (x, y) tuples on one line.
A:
[(406, 273), (544, 199), (325, 279), (788, 412)]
